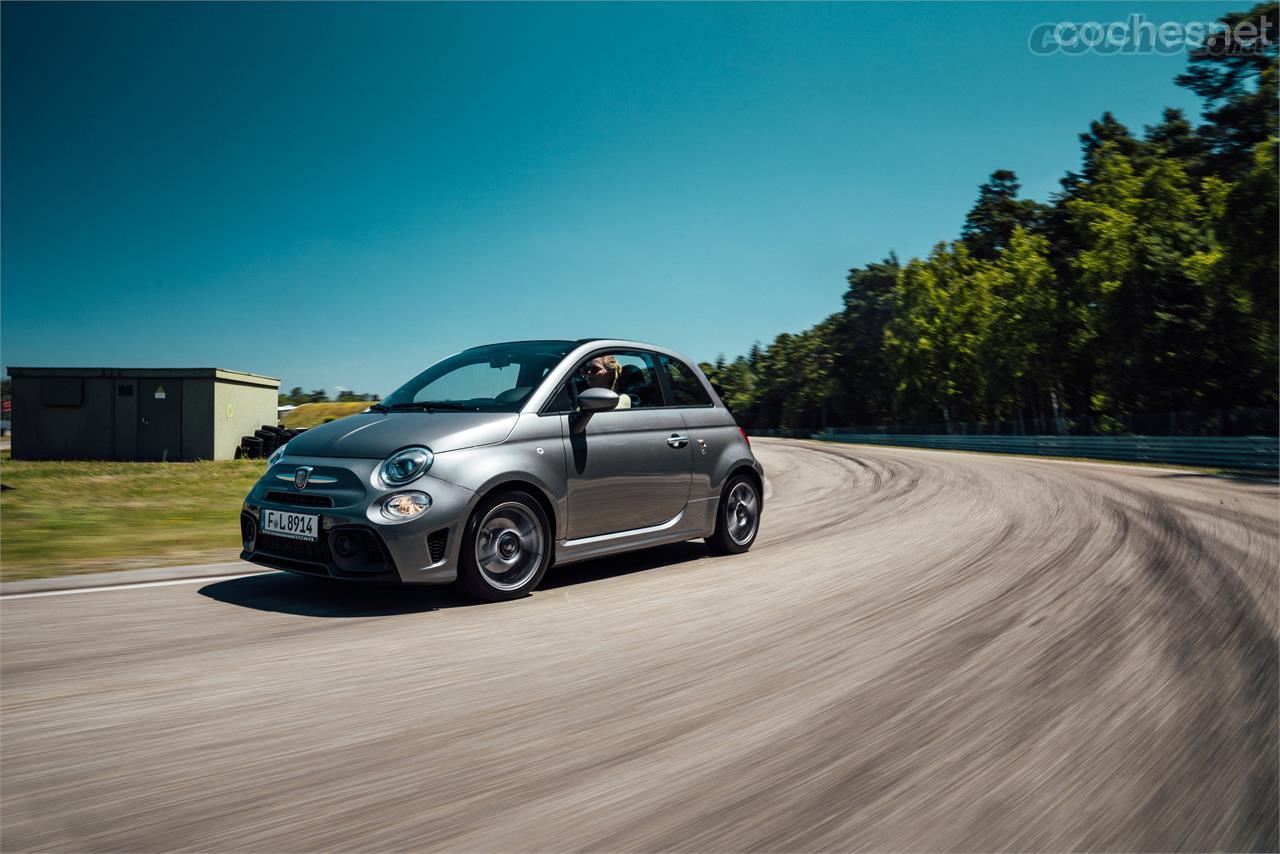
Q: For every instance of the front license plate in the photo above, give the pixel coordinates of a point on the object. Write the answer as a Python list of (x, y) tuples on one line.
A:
[(297, 526)]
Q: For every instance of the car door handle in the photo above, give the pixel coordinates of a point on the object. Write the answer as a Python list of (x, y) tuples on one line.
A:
[(677, 441)]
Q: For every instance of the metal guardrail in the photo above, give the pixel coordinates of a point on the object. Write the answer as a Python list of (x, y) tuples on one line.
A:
[(775, 433), (1255, 453)]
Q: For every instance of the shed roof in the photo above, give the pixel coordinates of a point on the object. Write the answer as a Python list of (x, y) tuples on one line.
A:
[(217, 374)]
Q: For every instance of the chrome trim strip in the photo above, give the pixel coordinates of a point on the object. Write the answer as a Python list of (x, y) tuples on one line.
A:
[(604, 538), (315, 478)]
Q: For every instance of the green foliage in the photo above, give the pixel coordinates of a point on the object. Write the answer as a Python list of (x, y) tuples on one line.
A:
[(990, 224), (735, 381), (933, 343), (297, 396), (1140, 228), (1148, 284), (857, 343), (1022, 356), (1239, 88)]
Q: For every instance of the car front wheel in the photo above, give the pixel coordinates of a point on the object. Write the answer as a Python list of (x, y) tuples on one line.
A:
[(506, 547), (738, 517)]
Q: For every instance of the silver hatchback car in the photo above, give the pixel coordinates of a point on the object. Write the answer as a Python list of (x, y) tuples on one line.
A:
[(499, 461)]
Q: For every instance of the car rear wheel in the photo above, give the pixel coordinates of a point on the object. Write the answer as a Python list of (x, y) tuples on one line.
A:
[(506, 548), (738, 517)]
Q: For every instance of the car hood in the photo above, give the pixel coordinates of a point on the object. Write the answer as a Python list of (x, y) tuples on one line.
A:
[(375, 435)]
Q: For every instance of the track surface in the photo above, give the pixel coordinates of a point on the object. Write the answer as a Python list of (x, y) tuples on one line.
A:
[(923, 651)]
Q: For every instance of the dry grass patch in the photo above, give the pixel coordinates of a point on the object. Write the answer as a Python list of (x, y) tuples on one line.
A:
[(311, 414)]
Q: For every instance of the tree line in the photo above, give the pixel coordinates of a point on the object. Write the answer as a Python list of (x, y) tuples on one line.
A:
[(1147, 283), (296, 396)]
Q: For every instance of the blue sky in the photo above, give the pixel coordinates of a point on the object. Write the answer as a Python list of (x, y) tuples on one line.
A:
[(339, 195)]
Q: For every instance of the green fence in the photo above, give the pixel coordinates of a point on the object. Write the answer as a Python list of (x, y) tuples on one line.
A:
[(1254, 453)]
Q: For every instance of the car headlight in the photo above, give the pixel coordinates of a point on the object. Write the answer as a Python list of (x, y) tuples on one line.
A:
[(403, 466), (406, 505), (276, 455)]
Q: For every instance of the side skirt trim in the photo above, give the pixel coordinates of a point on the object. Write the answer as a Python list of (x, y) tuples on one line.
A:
[(622, 535)]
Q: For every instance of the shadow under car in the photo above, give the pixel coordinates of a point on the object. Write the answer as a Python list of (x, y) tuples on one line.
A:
[(308, 596)]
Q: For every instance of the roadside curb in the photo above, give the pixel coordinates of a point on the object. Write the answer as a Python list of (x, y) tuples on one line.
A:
[(128, 576)]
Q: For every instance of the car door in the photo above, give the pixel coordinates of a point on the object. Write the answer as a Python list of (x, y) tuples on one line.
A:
[(630, 468)]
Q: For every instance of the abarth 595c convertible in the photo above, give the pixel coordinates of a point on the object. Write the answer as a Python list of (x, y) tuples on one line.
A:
[(499, 461)]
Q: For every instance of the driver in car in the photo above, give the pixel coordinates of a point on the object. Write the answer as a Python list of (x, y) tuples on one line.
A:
[(603, 372)]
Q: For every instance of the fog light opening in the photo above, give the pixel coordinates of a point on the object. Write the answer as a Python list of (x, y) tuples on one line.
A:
[(248, 532), (345, 545), (406, 505)]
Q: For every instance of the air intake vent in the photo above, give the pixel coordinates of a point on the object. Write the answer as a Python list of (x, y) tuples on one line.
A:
[(300, 499), (437, 543)]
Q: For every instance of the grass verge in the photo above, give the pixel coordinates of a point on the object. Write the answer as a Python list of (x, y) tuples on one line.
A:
[(61, 518)]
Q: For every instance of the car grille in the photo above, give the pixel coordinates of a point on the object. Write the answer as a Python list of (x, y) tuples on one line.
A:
[(317, 552), (437, 543), (364, 554), (300, 499)]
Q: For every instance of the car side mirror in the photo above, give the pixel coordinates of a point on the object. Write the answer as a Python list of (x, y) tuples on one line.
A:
[(590, 402)]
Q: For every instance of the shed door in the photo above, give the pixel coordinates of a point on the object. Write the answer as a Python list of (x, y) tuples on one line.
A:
[(126, 424), (159, 419)]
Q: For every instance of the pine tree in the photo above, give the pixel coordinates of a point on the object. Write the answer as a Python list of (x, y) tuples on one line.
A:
[(998, 211), (862, 394), (1239, 86)]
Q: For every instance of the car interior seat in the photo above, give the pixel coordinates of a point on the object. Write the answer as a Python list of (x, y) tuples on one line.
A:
[(632, 381)]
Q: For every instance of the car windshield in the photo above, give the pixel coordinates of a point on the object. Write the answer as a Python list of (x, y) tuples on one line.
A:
[(495, 378)]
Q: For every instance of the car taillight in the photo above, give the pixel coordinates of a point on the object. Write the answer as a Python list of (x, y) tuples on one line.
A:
[(745, 437)]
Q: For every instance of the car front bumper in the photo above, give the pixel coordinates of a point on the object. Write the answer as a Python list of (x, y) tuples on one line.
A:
[(355, 542)]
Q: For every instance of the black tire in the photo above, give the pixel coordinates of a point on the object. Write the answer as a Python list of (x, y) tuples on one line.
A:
[(494, 512), (736, 528), (271, 441)]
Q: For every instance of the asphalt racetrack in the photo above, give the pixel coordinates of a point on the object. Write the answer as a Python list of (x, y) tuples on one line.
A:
[(924, 651)]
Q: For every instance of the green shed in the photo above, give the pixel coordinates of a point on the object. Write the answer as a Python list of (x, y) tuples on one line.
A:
[(137, 413)]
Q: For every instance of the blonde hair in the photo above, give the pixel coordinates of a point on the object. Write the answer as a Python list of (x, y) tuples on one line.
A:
[(611, 362)]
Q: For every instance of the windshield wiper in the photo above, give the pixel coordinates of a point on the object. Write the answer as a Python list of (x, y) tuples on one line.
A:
[(429, 405), (378, 407)]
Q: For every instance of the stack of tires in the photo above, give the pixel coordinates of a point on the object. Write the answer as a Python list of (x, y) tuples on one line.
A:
[(264, 442)]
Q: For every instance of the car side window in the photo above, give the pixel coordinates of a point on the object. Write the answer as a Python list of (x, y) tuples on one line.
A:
[(563, 401), (686, 390), (632, 375)]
